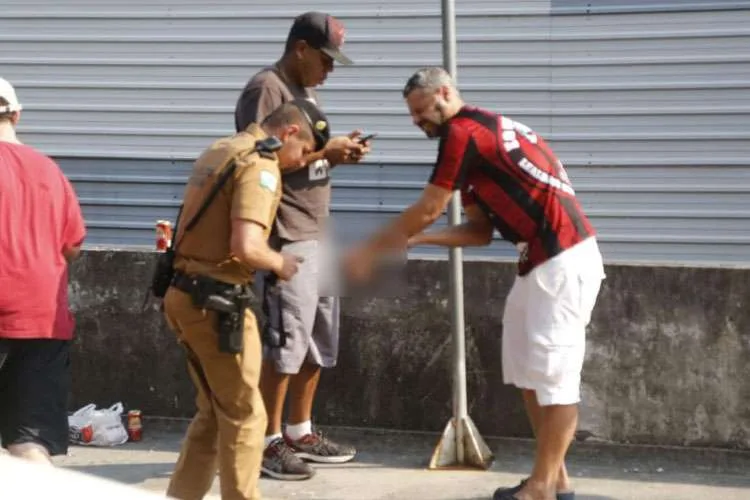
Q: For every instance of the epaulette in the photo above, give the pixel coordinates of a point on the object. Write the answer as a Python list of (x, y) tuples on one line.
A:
[(267, 147)]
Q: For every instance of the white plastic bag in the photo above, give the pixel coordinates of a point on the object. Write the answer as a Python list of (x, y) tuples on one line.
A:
[(91, 427)]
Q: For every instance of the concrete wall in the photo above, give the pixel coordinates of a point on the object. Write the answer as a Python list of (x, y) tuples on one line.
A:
[(668, 357)]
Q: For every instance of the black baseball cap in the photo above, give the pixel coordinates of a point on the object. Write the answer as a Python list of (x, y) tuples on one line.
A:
[(321, 31), (317, 120)]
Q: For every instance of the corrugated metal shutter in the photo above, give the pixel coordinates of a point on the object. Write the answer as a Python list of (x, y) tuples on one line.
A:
[(644, 101)]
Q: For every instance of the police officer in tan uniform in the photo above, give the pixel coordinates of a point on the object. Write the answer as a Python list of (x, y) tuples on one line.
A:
[(209, 305)]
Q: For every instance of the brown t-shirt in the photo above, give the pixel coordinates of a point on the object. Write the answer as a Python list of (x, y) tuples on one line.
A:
[(306, 193), (252, 193)]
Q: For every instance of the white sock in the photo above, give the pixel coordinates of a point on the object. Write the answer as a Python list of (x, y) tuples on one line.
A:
[(270, 439), (298, 431)]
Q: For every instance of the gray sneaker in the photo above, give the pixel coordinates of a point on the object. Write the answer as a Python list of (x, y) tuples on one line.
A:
[(279, 462), (317, 448)]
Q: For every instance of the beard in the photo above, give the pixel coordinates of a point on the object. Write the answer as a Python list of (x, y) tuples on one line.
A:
[(431, 128)]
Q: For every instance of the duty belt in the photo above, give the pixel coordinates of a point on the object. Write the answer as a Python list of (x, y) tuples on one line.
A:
[(188, 283)]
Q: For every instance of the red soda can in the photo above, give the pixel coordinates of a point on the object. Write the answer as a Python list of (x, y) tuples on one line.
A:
[(135, 425), (81, 435), (87, 434), (163, 235)]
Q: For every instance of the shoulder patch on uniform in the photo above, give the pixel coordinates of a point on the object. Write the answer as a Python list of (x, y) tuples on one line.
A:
[(268, 180)]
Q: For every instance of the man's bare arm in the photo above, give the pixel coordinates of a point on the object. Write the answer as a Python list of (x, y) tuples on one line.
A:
[(250, 245), (313, 157), (341, 149), (413, 220), (477, 231), (72, 253)]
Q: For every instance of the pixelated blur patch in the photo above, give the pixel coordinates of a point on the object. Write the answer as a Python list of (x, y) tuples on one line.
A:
[(389, 279), (268, 180)]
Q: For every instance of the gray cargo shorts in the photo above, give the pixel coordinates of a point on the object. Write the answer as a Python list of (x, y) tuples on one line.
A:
[(309, 320)]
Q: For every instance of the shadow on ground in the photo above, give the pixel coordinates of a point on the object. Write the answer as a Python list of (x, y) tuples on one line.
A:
[(128, 473), (578, 497), (404, 458), (593, 460)]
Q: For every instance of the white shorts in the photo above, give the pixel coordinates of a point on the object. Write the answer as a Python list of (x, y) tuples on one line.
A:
[(544, 324)]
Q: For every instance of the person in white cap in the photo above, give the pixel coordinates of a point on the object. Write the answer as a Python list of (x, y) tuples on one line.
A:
[(8, 94), (41, 230)]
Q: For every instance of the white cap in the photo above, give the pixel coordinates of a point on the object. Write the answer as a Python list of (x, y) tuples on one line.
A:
[(9, 94)]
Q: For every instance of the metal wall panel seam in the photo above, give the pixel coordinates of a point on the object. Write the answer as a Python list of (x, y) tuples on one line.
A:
[(397, 10), (609, 35)]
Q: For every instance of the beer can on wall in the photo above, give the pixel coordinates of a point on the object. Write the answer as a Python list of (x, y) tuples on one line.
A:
[(135, 426), (163, 235)]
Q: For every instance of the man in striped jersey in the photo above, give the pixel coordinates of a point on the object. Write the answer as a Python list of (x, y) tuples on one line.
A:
[(512, 182)]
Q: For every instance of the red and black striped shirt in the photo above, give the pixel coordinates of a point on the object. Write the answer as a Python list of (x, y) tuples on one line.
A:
[(509, 171)]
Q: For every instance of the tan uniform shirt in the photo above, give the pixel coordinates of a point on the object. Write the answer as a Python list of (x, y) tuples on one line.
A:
[(252, 193), (306, 194)]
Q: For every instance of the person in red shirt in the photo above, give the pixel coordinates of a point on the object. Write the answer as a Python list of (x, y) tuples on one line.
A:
[(511, 182), (41, 231)]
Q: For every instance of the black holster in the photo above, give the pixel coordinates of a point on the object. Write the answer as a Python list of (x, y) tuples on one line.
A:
[(273, 334), (228, 301), (163, 274)]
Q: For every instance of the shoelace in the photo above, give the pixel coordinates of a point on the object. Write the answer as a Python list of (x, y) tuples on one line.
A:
[(322, 442), (282, 449)]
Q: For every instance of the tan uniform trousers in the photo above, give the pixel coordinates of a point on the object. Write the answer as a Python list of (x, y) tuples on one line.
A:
[(229, 428)]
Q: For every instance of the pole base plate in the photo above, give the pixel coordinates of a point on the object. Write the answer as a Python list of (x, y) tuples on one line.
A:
[(461, 447)]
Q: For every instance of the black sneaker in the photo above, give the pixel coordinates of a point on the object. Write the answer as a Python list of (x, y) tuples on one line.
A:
[(279, 462), (317, 448)]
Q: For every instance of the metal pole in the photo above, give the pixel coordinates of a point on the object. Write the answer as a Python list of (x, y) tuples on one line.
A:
[(460, 445), (455, 256)]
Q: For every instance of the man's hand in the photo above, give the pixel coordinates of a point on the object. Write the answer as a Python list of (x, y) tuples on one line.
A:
[(345, 149), (290, 266), (364, 146)]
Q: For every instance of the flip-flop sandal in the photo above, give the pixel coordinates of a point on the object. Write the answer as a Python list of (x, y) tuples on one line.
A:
[(512, 496), (508, 493), (503, 493)]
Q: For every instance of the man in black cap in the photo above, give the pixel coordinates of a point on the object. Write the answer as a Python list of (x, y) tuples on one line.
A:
[(298, 311)]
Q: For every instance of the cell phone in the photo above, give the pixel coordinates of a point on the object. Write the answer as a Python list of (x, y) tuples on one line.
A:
[(366, 138)]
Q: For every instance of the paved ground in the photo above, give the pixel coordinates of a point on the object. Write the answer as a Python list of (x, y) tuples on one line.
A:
[(393, 466)]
